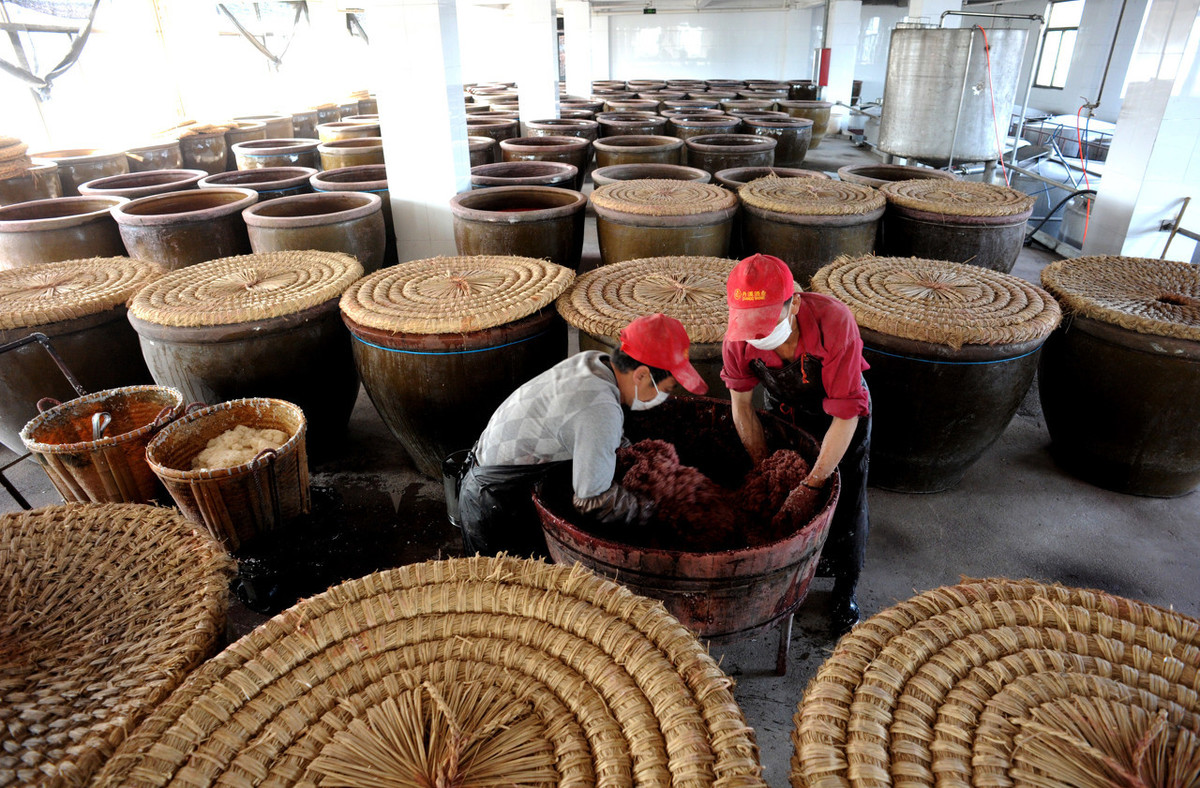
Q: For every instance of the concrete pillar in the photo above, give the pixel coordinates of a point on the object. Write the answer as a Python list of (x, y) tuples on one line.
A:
[(931, 11), (1154, 159), (577, 41), (845, 22), (535, 50), (414, 44)]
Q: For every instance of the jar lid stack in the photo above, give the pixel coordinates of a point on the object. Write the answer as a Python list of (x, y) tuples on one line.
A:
[(957, 198), (939, 302), (810, 197), (688, 288), (450, 295), (1156, 297), (47, 293), (659, 197), (246, 288)]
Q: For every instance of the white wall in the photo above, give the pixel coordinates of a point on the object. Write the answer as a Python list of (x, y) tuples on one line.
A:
[(871, 65)]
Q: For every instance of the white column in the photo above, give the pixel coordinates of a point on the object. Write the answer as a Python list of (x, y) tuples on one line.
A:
[(931, 11), (845, 22), (798, 44), (601, 50), (414, 44), (535, 51), (1154, 160), (577, 41)]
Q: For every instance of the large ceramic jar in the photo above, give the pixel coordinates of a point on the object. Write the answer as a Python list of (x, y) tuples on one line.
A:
[(615, 124), (808, 222), (1120, 379), (655, 218), (80, 306), (496, 128), (803, 90), (179, 229), (279, 152), (350, 222), (205, 151), (568, 150), (819, 112), (143, 184), (259, 325), (631, 105), (729, 105), (277, 126), (38, 182), (962, 221), (241, 132), (165, 155), (524, 173), (83, 165), (269, 182), (692, 104), (530, 221), (877, 175), (441, 343), (714, 152), (593, 107), (64, 228), (602, 176), (952, 348), (304, 124), (346, 130), (736, 177), (564, 127), (354, 152), (602, 301), (482, 150), (369, 178), (792, 136), (637, 149)]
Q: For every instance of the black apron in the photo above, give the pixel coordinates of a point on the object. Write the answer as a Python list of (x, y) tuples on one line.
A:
[(795, 392), (496, 511)]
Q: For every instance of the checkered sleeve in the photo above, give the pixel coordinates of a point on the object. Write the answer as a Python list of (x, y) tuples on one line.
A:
[(594, 433)]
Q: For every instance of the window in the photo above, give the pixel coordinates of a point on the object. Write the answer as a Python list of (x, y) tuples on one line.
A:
[(1059, 43)]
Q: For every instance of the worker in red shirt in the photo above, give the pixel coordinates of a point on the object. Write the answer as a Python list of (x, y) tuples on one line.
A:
[(805, 350)]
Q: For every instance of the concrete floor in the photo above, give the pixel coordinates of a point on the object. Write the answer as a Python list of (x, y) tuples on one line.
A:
[(1015, 514)]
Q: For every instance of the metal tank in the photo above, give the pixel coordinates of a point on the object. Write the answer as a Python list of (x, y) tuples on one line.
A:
[(936, 104)]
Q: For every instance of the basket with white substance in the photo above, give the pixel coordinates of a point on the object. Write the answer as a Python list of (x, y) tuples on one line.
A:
[(245, 482)]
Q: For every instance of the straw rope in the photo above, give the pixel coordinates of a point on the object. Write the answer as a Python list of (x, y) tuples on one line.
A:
[(690, 289), (450, 295), (104, 608), (245, 288), (957, 198), (810, 196), (656, 197), (1005, 683), (13, 161), (52, 292), (936, 301), (1158, 297), (408, 669)]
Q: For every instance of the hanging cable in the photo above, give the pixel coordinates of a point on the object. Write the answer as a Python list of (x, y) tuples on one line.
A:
[(1029, 238), (987, 52), (1083, 162), (42, 85)]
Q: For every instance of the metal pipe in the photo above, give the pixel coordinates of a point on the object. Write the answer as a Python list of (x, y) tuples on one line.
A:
[(1175, 227), (1037, 61), (945, 14), (1037, 176), (962, 95), (1111, 49)]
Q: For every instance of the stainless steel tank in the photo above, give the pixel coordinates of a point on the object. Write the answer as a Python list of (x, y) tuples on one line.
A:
[(926, 73)]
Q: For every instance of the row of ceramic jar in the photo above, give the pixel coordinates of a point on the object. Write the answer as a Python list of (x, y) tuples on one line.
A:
[(344, 210)]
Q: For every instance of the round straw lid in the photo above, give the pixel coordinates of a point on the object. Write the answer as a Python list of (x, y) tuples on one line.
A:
[(810, 197), (52, 292), (492, 671), (246, 288), (690, 289), (659, 197), (935, 301), (104, 609), (454, 295), (1158, 297), (1004, 682), (957, 198)]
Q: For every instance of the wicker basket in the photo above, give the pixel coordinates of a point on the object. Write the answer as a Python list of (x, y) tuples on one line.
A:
[(104, 609), (1006, 683), (111, 468), (527, 673), (235, 503)]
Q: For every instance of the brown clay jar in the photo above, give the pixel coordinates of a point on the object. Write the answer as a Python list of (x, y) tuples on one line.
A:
[(207, 152), (143, 184), (496, 128), (568, 150), (164, 155), (349, 222), (81, 165), (637, 149), (721, 151), (304, 124), (524, 173), (602, 176), (278, 126), (615, 124), (63, 228), (792, 135), (39, 182), (368, 178), (345, 130), (354, 152), (482, 149), (530, 221), (269, 182), (241, 132), (282, 152), (817, 111), (179, 229)]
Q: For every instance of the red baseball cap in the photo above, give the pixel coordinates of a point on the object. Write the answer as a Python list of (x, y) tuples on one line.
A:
[(660, 341), (755, 291)]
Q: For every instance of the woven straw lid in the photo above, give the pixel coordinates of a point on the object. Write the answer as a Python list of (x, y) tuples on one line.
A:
[(13, 161), (1158, 297), (453, 295), (810, 196), (1006, 683), (957, 198), (660, 197), (246, 288), (52, 292), (104, 608), (528, 673), (936, 301), (690, 289)]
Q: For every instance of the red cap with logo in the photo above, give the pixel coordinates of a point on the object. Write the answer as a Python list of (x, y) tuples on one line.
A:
[(755, 291), (660, 341)]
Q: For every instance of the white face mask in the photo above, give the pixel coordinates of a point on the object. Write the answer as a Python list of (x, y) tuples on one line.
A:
[(778, 335), (659, 398)]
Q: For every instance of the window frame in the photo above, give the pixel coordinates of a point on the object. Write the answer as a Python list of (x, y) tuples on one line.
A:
[(1058, 48)]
